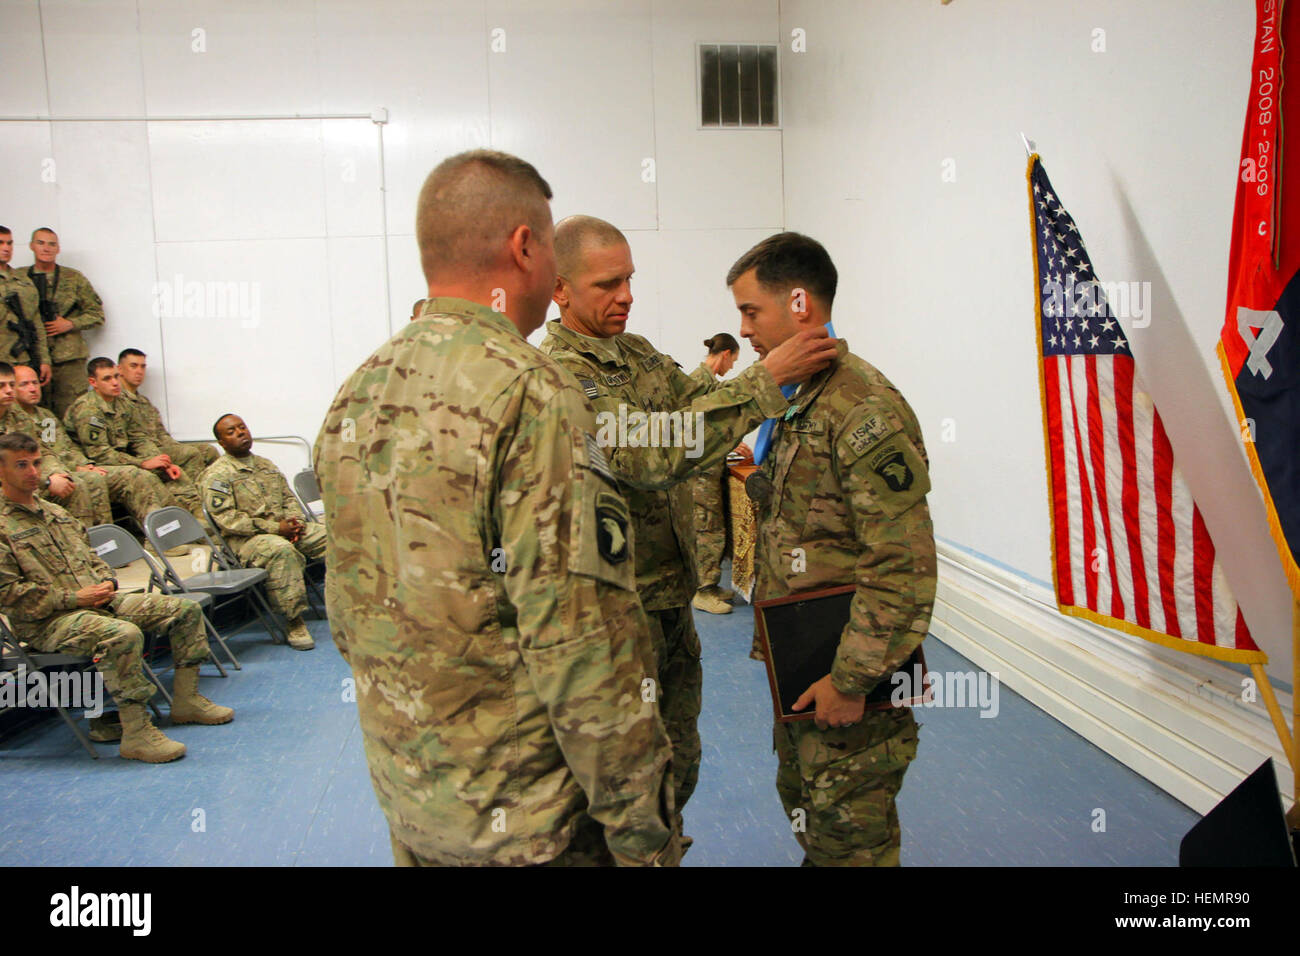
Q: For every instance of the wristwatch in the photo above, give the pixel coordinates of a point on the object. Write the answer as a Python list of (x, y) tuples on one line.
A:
[(45, 484)]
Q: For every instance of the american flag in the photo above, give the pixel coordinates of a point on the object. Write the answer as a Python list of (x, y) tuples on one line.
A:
[(1130, 548)]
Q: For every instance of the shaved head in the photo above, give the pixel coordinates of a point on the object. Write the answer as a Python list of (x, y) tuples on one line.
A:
[(469, 207), (574, 235)]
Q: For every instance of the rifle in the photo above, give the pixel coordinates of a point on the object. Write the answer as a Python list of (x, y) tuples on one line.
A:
[(23, 327)]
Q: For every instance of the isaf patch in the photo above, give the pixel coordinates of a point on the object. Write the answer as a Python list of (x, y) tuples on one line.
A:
[(870, 433), (612, 522)]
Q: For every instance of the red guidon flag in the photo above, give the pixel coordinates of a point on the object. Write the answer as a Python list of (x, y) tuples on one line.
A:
[(1259, 348), (1129, 547)]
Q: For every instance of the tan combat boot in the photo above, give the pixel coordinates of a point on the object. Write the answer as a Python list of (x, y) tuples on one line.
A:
[(299, 636), (141, 740), (191, 707), (710, 602)]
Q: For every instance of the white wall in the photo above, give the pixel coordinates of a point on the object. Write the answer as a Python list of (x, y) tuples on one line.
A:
[(936, 284), (292, 209)]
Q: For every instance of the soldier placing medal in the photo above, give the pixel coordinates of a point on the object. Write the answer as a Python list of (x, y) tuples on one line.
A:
[(843, 481)]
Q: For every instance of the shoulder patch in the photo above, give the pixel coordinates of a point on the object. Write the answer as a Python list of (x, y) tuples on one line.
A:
[(870, 433), (896, 474), (596, 458), (612, 522), (97, 422), (221, 486), (589, 386)]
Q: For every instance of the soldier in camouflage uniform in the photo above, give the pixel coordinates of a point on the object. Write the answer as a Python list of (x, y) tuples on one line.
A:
[(623, 375), (709, 490), (20, 305), (841, 501), (60, 597), (126, 485), (109, 435), (85, 497), (253, 508), (480, 579), (75, 306), (192, 458)]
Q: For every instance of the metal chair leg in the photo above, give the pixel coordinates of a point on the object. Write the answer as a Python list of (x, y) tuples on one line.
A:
[(230, 655)]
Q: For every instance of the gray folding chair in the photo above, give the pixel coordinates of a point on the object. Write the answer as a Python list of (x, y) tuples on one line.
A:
[(307, 489), (172, 527), (315, 597), (14, 654), (118, 548)]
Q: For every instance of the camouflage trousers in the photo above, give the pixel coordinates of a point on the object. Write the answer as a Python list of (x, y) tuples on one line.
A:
[(681, 687), (115, 639), (710, 526), (587, 848), (66, 385), (284, 562), (89, 501), (135, 489), (181, 492), (845, 781), (192, 459)]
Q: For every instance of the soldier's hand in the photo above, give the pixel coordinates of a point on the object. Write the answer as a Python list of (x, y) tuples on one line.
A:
[(173, 471), (96, 594), (833, 708), (288, 528), (154, 463), (165, 459), (745, 452), (45, 374), (58, 325), (61, 486), (801, 356)]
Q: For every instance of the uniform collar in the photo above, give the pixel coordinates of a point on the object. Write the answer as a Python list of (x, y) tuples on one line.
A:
[(475, 311), (808, 393), (37, 508), (103, 404), (243, 464), (606, 350)]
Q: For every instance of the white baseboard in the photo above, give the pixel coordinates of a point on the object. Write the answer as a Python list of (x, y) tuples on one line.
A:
[(1177, 719)]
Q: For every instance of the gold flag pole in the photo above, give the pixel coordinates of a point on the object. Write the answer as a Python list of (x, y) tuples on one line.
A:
[(1293, 815)]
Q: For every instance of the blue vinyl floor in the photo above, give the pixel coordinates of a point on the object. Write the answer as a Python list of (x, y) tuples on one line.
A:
[(286, 783)]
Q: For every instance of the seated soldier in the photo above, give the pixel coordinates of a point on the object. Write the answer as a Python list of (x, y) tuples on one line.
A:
[(192, 459), (125, 485), (84, 497), (61, 598), (251, 503), (108, 433)]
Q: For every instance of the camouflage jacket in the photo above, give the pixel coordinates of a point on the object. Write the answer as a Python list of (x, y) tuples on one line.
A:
[(107, 431), (18, 421), (77, 301), (247, 496), (45, 558), (623, 375), (848, 477), (479, 585), (54, 439), (16, 289), (148, 418)]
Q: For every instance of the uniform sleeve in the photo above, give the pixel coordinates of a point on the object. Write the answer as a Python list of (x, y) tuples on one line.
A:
[(140, 438), (42, 340), (87, 310), (711, 422), (885, 478), (93, 438), (584, 639), (289, 507), (63, 446), (24, 600), (219, 497)]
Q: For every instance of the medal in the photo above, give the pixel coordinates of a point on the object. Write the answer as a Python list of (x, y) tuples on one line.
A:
[(759, 487)]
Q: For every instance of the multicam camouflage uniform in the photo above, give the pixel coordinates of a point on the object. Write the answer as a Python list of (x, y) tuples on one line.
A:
[(14, 282), (710, 509), (133, 488), (88, 502), (480, 586), (44, 560), (626, 370), (847, 476), (192, 458), (109, 435), (247, 497), (77, 301)]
